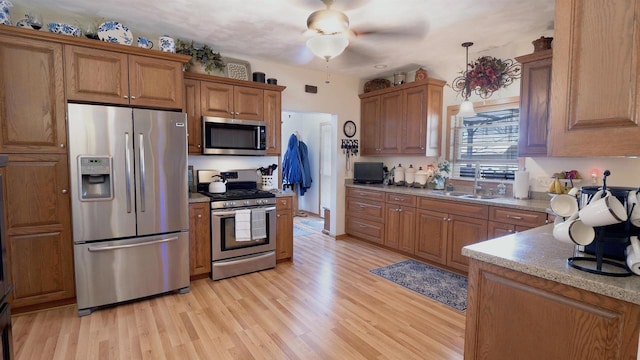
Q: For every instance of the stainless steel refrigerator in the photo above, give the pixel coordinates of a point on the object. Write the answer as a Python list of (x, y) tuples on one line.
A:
[(129, 203)]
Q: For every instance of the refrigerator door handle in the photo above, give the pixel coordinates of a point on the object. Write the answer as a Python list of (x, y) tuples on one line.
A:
[(143, 173), (116, 247), (127, 170)]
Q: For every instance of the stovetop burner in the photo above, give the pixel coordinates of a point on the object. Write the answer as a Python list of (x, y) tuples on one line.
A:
[(239, 194)]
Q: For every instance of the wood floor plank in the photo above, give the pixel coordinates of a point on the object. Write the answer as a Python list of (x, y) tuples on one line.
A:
[(325, 304)]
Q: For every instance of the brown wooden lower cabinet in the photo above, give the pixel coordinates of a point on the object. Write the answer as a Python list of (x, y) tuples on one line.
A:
[(199, 239), (463, 231), (284, 229), (512, 315), (40, 245), (431, 236)]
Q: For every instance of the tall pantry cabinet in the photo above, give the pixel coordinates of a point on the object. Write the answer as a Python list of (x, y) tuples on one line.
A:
[(33, 134)]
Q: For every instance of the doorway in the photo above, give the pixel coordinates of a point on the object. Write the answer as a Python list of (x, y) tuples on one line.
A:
[(315, 130)]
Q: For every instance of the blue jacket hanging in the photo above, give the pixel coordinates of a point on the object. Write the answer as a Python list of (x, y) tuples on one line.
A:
[(291, 164), (295, 164)]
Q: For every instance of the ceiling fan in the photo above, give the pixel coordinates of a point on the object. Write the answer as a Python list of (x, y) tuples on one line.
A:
[(330, 31)]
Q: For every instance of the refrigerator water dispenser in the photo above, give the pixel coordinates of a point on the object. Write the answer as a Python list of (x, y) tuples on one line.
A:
[(95, 174)]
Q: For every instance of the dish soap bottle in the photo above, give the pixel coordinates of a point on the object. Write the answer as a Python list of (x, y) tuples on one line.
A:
[(501, 189)]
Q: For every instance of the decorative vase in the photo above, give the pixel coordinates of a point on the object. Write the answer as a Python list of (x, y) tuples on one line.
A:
[(438, 183)]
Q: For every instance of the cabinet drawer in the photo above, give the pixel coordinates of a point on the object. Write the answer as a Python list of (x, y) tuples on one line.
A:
[(368, 230), (401, 199), (517, 217), (283, 203), (370, 210), (365, 194), (454, 207)]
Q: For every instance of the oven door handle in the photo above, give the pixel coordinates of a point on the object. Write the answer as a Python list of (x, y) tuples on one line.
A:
[(228, 213)]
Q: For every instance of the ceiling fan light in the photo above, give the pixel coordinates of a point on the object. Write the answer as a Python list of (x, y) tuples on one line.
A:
[(328, 22), (466, 109), (328, 46)]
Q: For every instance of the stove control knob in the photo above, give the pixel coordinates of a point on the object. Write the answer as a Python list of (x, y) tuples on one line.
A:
[(247, 202)]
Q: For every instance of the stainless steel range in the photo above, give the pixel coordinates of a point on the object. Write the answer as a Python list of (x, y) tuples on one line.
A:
[(243, 224)]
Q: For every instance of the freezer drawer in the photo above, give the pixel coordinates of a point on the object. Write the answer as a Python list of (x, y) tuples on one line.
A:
[(109, 272)]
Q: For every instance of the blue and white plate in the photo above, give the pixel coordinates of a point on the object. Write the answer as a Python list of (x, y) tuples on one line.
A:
[(64, 29), (114, 32)]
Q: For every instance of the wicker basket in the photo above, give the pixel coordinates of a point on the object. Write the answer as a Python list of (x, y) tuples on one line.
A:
[(376, 84)]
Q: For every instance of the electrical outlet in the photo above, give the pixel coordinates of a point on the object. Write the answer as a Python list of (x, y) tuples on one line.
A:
[(543, 181)]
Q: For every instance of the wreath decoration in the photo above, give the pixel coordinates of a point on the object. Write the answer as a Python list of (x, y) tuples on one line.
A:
[(485, 76)]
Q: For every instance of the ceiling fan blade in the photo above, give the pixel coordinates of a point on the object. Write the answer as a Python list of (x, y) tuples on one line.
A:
[(417, 30)]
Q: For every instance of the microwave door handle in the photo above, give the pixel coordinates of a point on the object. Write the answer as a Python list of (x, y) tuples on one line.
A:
[(257, 137), (143, 173), (127, 170)]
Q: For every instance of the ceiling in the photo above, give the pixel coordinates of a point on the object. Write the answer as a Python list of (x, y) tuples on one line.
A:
[(403, 34)]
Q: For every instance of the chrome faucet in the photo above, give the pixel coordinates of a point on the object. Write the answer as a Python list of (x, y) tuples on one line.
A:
[(476, 187)]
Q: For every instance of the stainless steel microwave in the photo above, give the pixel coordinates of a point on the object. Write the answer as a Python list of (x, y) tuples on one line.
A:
[(233, 136)]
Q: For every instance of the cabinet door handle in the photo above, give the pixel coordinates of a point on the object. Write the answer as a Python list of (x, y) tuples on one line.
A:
[(362, 206), (362, 226), (64, 191), (133, 97), (397, 199), (514, 217), (62, 146), (278, 215), (399, 210), (444, 219), (199, 216), (125, 96), (449, 219), (199, 146), (510, 231)]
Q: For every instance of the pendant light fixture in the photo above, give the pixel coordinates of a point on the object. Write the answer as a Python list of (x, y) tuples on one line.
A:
[(466, 107)]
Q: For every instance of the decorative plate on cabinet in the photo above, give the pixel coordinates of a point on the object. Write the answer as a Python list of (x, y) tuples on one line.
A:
[(114, 32)]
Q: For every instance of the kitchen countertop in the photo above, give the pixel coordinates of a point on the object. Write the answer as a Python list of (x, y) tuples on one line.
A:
[(197, 197), (536, 252), (529, 204)]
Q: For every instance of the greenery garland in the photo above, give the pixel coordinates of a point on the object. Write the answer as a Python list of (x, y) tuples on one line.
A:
[(205, 55)]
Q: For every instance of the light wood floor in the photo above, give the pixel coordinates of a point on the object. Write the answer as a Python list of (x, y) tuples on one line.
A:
[(323, 305)]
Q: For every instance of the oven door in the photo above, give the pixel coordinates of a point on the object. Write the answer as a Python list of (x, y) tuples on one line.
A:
[(223, 240)]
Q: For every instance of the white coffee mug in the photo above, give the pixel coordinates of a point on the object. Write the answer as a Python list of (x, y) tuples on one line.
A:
[(574, 231), (167, 44), (564, 205), (605, 211), (633, 255), (633, 208)]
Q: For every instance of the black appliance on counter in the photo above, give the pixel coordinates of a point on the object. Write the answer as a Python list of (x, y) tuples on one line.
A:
[(5, 287), (368, 172)]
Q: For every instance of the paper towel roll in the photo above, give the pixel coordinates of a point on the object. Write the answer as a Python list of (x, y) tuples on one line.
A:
[(521, 185)]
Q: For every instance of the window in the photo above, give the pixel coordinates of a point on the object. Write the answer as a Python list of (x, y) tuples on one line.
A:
[(488, 140)]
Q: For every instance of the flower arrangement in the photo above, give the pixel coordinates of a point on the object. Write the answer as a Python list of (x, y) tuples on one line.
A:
[(486, 75), (205, 55), (441, 174)]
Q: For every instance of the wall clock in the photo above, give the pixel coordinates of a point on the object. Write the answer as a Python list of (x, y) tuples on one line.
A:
[(349, 128)]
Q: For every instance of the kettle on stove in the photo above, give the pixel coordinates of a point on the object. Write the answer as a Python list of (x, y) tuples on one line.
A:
[(217, 186)]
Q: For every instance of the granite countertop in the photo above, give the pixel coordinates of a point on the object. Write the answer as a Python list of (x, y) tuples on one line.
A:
[(529, 204), (536, 252), (197, 197)]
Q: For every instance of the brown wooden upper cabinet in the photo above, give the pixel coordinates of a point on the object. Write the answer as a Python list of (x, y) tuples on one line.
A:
[(535, 98), (207, 95), (402, 120), (230, 101), (32, 106), (596, 79), (102, 76)]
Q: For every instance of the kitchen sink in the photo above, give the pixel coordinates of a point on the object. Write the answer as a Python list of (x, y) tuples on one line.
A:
[(471, 196), (450, 193)]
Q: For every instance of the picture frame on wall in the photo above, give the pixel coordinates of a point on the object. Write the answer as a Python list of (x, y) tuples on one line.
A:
[(236, 68)]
